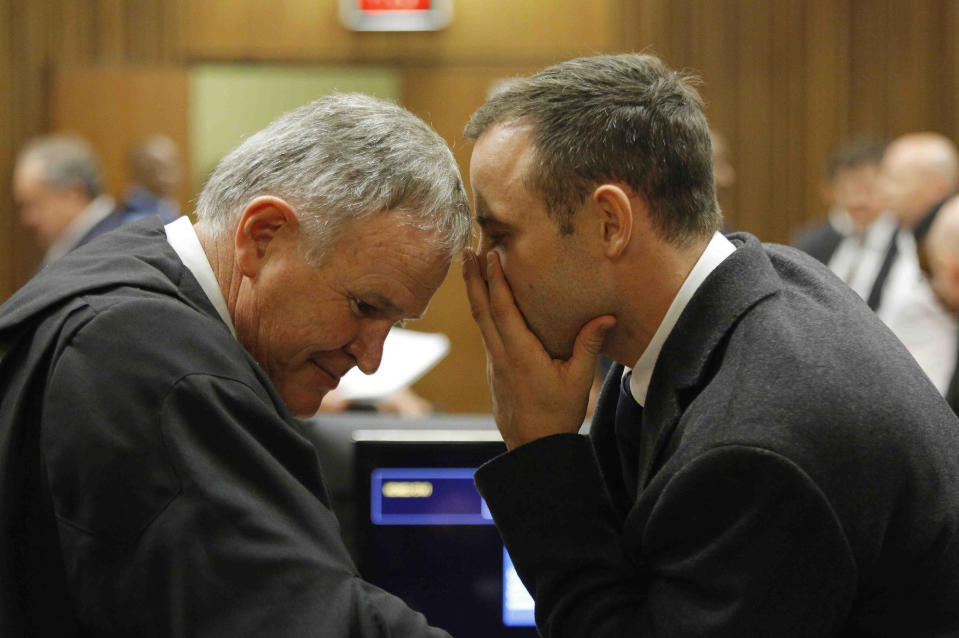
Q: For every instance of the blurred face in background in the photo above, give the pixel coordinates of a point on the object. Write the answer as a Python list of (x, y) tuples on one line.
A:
[(44, 209), (855, 190), (156, 166), (910, 182)]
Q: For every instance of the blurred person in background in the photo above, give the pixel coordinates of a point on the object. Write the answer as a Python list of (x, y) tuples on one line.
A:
[(156, 175), (853, 242), (918, 172), (942, 250), (58, 187)]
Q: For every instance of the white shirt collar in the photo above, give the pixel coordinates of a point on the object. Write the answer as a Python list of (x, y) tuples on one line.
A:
[(95, 212), (183, 239), (716, 251)]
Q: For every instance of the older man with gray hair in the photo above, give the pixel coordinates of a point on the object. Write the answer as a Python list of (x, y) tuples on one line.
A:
[(155, 481), (58, 185)]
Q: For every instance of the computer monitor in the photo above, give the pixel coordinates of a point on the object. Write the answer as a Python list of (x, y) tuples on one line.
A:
[(424, 533)]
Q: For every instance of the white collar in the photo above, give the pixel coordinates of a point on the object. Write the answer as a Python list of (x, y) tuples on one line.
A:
[(183, 239), (95, 212), (716, 251)]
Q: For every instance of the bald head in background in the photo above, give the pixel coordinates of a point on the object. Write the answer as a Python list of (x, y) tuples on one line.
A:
[(918, 171)]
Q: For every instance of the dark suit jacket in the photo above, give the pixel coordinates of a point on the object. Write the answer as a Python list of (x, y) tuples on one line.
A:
[(119, 216), (152, 483), (798, 476), (819, 241)]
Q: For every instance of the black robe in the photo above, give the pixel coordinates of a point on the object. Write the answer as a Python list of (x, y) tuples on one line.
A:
[(152, 483)]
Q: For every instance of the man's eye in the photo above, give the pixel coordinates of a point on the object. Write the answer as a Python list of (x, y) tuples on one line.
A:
[(363, 309)]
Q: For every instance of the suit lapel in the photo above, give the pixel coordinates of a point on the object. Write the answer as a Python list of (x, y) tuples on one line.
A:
[(694, 347)]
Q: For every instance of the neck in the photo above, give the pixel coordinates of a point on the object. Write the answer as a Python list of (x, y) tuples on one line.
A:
[(652, 281), (219, 252)]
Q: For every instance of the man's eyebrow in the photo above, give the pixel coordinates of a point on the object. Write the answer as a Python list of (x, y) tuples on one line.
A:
[(485, 220), (484, 217)]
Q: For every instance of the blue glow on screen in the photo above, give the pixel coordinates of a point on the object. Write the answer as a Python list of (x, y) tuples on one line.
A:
[(426, 496), (518, 608), (445, 496)]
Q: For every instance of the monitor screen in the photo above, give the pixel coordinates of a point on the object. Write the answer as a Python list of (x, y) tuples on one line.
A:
[(424, 533)]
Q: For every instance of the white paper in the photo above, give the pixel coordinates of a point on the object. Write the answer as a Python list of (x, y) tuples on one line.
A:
[(407, 356)]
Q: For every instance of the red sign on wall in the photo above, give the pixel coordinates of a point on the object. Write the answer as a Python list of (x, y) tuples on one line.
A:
[(394, 5), (396, 15)]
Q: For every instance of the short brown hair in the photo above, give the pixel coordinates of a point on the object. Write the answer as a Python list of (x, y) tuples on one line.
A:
[(625, 118)]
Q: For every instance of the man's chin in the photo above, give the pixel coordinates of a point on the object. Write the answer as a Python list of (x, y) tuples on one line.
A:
[(303, 407)]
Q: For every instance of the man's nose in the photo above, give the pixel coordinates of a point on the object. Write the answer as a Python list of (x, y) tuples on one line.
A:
[(367, 347)]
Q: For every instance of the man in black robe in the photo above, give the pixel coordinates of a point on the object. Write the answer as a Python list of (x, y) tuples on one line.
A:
[(155, 481)]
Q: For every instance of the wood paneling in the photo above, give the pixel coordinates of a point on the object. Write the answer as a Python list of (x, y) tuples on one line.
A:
[(37, 37), (139, 102), (481, 32), (785, 81), (23, 69)]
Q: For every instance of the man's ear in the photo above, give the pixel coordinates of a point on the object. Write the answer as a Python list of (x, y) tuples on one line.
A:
[(616, 218), (265, 219)]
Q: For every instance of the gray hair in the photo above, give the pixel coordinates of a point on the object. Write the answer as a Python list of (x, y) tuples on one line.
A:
[(68, 161), (339, 159), (625, 118)]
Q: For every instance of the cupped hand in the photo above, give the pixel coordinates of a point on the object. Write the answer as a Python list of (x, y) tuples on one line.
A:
[(534, 395)]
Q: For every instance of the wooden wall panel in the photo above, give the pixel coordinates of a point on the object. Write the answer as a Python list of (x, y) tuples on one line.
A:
[(754, 116), (35, 38), (949, 60), (117, 108), (25, 57), (869, 48), (798, 77), (786, 207), (8, 137), (481, 32), (825, 90)]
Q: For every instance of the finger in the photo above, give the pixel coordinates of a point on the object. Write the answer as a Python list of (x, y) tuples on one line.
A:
[(510, 324), (588, 345), (478, 294)]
